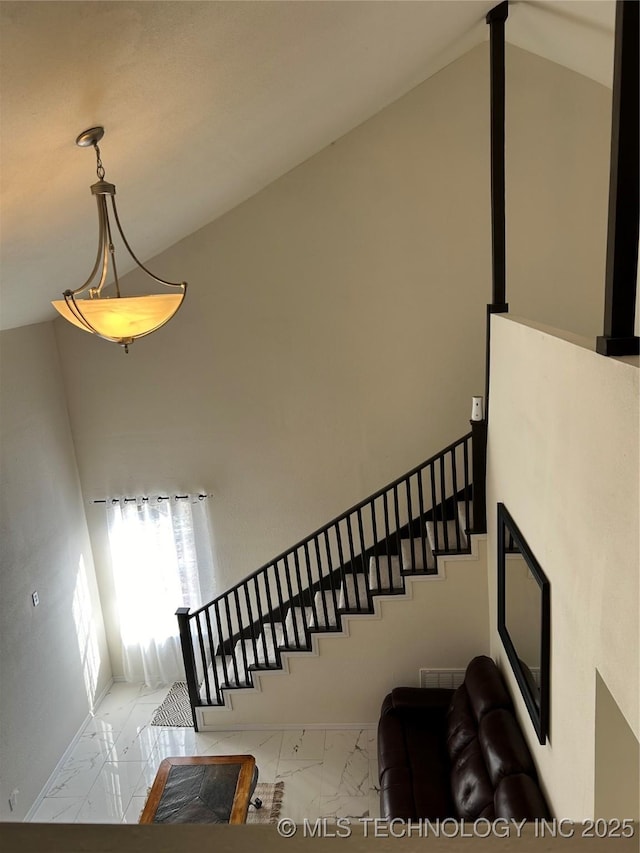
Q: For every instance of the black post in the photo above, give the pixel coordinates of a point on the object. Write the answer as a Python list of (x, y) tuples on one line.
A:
[(498, 305), (622, 236), (496, 19), (189, 661), (479, 475)]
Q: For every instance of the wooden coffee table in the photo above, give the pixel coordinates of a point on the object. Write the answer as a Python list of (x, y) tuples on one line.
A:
[(201, 789)]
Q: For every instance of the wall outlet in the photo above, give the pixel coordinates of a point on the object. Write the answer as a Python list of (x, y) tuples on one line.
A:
[(35, 598), (13, 800)]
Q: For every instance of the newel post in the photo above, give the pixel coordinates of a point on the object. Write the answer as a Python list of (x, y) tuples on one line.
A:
[(189, 661), (479, 466), (496, 20)]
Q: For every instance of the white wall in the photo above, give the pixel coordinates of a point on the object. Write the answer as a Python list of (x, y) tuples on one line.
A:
[(334, 328), (563, 458), (53, 660)]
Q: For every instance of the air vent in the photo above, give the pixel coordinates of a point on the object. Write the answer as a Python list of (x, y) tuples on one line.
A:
[(450, 678)]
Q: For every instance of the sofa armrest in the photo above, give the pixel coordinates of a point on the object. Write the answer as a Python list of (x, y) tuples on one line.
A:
[(418, 699)]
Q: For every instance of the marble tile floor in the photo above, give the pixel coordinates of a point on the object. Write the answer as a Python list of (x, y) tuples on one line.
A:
[(327, 773)]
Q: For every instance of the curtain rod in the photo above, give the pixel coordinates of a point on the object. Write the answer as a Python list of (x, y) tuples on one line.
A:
[(200, 497)]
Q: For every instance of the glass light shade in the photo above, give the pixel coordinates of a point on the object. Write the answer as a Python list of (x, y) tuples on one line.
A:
[(122, 318)]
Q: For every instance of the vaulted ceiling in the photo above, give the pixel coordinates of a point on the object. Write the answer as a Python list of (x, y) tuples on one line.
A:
[(205, 103)]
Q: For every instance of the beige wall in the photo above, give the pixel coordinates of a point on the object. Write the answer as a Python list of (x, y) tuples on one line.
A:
[(334, 328), (54, 661), (558, 137), (331, 339), (617, 760), (563, 458)]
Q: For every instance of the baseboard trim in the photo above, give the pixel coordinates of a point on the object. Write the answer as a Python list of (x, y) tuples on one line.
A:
[(66, 755)]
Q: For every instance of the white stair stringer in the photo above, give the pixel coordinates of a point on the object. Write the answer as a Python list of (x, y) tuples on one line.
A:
[(344, 677)]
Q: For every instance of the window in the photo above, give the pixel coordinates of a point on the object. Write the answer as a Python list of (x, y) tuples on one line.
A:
[(161, 560)]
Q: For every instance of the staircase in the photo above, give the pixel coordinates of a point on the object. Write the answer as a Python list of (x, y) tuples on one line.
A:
[(338, 571)]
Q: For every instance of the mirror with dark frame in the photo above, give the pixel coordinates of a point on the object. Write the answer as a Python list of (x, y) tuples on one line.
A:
[(524, 619)]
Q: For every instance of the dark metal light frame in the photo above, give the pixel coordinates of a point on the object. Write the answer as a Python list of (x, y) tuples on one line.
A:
[(106, 258)]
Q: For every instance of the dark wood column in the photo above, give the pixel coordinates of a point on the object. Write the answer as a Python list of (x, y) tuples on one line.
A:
[(496, 19), (622, 237), (498, 305)]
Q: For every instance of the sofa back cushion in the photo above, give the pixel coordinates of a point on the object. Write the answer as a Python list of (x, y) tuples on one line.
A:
[(503, 746), (485, 687), (482, 691), (461, 723), (486, 748), (471, 787)]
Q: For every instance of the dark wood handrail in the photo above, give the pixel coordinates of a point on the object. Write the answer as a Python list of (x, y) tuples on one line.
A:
[(342, 517), (342, 562)]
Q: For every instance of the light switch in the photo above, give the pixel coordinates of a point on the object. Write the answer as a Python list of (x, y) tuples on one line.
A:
[(35, 598)]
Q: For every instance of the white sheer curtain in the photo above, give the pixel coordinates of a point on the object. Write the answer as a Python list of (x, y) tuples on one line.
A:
[(161, 559)]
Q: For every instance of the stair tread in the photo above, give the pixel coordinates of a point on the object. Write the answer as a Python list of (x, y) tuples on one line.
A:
[(353, 593), (301, 615), (223, 681), (466, 523), (389, 569), (325, 620), (442, 544), (413, 558), (259, 656)]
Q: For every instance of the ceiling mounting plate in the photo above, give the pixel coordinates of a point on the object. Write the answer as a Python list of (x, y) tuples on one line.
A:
[(90, 137)]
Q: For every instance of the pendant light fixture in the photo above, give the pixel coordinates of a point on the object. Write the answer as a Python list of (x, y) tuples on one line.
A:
[(99, 307)]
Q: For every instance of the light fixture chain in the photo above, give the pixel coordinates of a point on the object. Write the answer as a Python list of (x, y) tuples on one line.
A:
[(99, 167)]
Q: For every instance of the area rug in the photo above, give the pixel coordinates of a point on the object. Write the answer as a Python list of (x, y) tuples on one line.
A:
[(175, 710), (271, 794)]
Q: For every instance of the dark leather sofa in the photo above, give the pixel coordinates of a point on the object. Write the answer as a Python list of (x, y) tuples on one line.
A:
[(456, 753)]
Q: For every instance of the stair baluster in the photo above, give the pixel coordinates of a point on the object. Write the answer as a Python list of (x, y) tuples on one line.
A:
[(362, 553)]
